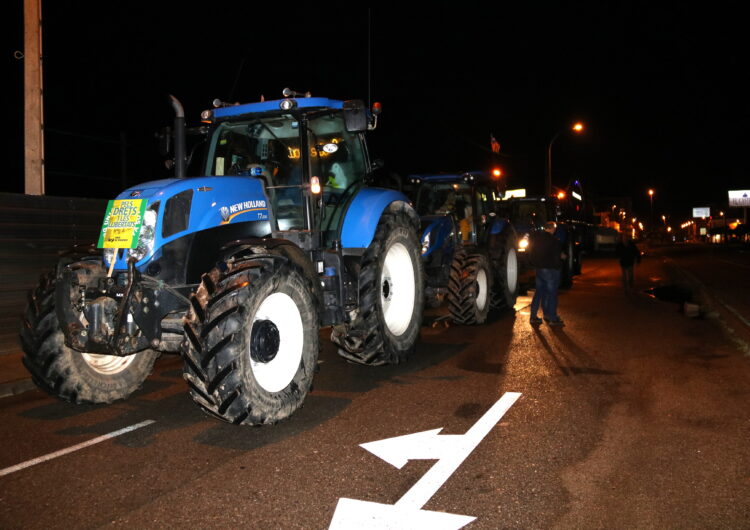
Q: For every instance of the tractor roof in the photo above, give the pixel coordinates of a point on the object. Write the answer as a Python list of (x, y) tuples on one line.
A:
[(276, 106), (466, 176)]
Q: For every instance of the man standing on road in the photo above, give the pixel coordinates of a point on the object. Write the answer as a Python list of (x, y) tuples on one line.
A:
[(629, 255), (546, 257)]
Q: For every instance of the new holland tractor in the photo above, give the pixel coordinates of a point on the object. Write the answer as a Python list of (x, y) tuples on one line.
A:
[(237, 270), (469, 251)]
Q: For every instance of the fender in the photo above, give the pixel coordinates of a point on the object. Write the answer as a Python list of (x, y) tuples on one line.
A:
[(364, 213), (282, 248), (498, 225)]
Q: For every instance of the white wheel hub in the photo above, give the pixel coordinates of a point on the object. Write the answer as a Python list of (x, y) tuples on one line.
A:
[(107, 364), (276, 374), (481, 299), (397, 289), (511, 270)]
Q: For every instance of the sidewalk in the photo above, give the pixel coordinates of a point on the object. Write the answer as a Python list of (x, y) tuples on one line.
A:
[(712, 306), (14, 378)]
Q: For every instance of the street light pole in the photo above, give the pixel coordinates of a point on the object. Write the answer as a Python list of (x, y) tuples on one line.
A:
[(577, 127), (548, 181)]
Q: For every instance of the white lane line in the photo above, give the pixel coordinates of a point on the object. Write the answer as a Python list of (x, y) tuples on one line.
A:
[(61, 452), (734, 312)]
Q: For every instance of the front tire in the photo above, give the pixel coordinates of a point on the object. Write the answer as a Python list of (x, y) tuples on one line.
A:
[(68, 374), (391, 296), (251, 345), (469, 288)]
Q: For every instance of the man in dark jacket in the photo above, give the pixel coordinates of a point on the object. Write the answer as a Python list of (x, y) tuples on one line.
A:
[(546, 257), (629, 255)]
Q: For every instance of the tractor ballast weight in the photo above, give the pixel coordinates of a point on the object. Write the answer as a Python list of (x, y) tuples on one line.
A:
[(238, 269)]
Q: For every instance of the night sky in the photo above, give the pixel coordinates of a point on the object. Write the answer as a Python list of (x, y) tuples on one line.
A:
[(663, 89)]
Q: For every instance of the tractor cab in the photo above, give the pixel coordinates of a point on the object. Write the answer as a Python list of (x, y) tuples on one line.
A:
[(309, 153)]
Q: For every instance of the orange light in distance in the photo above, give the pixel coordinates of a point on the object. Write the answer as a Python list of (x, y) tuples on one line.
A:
[(561, 195), (497, 173), (578, 127), (651, 193)]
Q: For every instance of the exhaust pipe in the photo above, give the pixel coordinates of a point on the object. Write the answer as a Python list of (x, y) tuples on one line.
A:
[(179, 138)]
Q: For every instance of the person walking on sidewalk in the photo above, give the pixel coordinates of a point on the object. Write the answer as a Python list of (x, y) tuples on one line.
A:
[(546, 257), (629, 255)]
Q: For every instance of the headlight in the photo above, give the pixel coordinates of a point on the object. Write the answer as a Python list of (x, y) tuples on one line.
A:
[(426, 244), (523, 243), (148, 231)]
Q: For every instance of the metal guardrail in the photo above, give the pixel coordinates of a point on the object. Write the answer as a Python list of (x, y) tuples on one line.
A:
[(33, 231)]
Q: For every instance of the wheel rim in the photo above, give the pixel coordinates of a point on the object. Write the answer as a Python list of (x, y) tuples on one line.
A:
[(397, 289), (276, 374), (511, 270), (481, 289), (107, 364)]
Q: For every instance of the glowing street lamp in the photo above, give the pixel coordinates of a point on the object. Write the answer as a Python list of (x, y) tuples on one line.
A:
[(577, 128), (651, 197)]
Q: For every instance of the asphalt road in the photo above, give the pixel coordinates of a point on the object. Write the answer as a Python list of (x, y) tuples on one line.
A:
[(631, 416)]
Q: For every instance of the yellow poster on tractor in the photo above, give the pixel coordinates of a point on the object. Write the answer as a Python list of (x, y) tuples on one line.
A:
[(122, 223)]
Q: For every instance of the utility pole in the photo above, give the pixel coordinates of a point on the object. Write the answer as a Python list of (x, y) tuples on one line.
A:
[(33, 96)]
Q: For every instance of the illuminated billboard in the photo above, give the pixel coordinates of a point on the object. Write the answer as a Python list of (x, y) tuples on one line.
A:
[(702, 211), (739, 198)]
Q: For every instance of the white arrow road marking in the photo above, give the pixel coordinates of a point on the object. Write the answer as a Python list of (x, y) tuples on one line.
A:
[(450, 451), (352, 514), (426, 445), (61, 452)]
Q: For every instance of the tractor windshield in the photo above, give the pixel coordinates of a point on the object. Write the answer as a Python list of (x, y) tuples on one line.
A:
[(452, 199), (531, 213), (269, 149), (443, 198), (266, 148)]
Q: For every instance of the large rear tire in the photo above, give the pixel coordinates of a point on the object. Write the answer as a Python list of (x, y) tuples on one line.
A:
[(251, 345), (68, 374), (506, 287), (391, 296), (469, 288)]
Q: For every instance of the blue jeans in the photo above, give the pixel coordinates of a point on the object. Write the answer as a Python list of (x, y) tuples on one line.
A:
[(547, 282), (627, 277)]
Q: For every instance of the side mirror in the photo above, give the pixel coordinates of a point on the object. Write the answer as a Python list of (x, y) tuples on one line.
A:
[(355, 116)]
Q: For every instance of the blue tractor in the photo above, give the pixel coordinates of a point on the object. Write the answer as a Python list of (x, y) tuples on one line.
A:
[(469, 251), (238, 269)]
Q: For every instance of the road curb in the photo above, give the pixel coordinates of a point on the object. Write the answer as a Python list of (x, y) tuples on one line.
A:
[(736, 327)]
